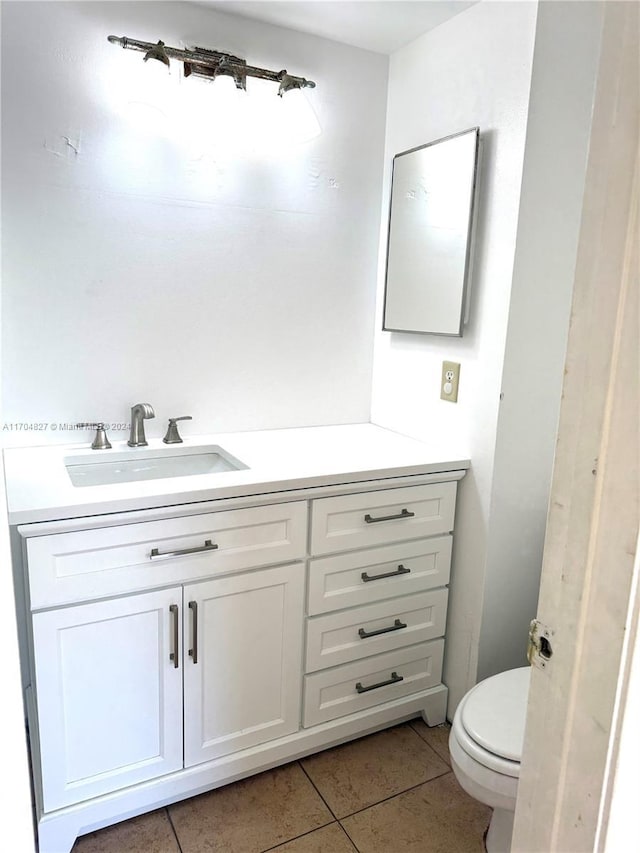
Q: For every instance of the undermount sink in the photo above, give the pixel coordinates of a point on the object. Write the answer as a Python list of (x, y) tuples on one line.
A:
[(148, 464)]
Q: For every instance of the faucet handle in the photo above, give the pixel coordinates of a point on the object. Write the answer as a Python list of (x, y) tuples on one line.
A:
[(173, 436), (100, 442)]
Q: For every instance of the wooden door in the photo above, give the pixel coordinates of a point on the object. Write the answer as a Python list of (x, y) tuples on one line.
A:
[(587, 592)]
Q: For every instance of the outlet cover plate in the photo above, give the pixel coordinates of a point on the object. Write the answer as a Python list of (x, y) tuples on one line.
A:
[(449, 381)]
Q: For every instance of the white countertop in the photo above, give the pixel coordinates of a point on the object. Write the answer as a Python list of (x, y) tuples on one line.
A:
[(39, 488)]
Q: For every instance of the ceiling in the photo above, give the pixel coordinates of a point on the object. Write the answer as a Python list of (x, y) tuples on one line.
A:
[(379, 25)]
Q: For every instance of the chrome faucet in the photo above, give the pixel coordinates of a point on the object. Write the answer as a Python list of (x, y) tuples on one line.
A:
[(100, 442), (172, 435), (139, 413)]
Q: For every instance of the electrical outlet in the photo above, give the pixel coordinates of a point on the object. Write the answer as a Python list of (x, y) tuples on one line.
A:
[(449, 381)]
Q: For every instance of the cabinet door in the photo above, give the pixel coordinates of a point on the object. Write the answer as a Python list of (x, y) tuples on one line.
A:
[(109, 697), (243, 659)]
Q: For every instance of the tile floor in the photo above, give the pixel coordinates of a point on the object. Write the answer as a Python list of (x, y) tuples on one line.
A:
[(391, 791)]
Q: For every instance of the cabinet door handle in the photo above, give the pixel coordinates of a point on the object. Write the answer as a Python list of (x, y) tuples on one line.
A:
[(208, 546), (173, 609), (401, 570), (395, 678), (397, 626), (193, 651), (403, 514)]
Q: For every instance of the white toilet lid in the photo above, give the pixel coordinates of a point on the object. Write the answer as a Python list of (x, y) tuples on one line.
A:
[(495, 711)]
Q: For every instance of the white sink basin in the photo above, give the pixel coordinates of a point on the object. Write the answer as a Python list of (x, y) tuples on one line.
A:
[(146, 463)]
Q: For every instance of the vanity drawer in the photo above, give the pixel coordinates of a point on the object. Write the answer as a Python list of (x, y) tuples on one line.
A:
[(341, 637), (376, 518), (70, 567), (353, 687), (363, 577)]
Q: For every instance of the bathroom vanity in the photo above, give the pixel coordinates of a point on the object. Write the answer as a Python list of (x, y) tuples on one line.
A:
[(187, 631)]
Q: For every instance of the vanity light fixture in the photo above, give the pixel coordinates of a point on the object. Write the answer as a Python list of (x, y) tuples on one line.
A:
[(202, 62)]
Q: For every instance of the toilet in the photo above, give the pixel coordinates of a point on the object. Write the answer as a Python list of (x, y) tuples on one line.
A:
[(486, 748)]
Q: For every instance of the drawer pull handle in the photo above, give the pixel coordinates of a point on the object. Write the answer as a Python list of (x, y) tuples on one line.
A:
[(173, 608), (395, 678), (401, 570), (397, 626), (193, 651), (208, 546), (404, 514)]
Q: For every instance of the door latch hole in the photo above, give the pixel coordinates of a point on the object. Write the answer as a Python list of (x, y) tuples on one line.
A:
[(545, 648)]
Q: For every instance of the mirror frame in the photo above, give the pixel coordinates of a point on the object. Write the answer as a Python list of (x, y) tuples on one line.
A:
[(469, 237)]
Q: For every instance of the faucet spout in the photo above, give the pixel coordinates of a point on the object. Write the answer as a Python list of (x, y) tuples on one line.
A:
[(139, 413)]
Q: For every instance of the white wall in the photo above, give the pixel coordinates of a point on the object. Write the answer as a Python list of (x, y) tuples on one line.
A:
[(15, 784), (142, 265), (565, 65), (473, 70)]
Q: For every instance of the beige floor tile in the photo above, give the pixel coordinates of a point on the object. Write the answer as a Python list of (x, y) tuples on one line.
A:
[(366, 771), (252, 815), (329, 839), (436, 736), (437, 817), (151, 833)]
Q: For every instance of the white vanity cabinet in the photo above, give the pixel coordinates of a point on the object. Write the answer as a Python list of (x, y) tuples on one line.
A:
[(175, 650), (109, 673), (389, 642)]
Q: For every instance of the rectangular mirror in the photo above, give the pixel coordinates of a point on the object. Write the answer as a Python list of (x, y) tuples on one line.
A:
[(429, 246)]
